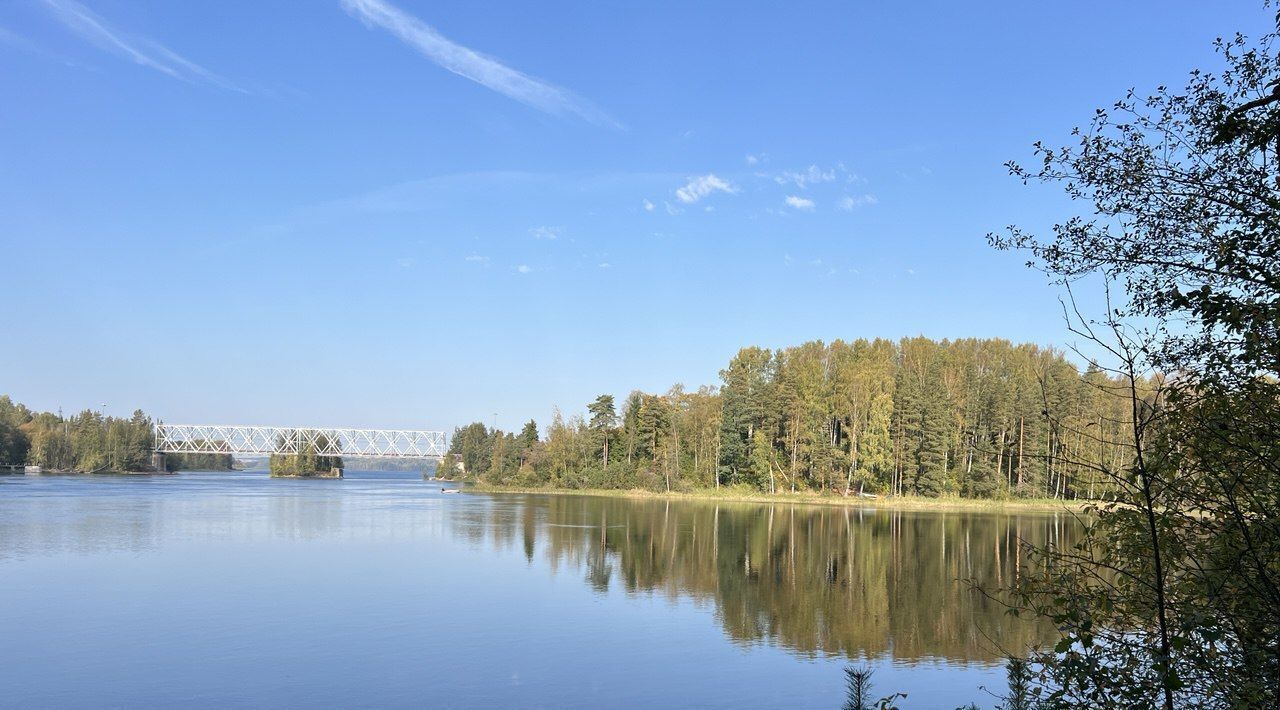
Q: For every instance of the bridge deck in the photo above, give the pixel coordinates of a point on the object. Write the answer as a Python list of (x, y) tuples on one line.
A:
[(235, 439)]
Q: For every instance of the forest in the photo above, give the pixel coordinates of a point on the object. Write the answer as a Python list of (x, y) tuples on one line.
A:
[(88, 442), (973, 418)]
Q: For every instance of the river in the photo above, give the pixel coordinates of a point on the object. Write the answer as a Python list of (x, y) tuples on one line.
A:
[(236, 590)]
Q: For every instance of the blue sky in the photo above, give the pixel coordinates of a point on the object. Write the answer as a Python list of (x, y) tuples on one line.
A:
[(418, 214)]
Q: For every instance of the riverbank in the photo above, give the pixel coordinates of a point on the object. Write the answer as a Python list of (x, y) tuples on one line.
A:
[(730, 495)]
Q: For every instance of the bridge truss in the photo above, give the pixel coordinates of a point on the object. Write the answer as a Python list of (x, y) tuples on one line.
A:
[(232, 439)]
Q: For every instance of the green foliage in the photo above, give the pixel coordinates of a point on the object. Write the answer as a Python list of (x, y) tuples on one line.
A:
[(746, 399), (477, 452), (857, 681), (603, 420), (528, 434), (472, 447), (308, 461), (760, 470), (1020, 686), (923, 416), (86, 442), (874, 453), (1173, 596), (858, 691), (14, 442), (979, 418), (199, 462)]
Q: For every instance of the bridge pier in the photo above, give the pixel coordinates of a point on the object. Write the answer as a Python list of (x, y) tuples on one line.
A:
[(158, 462)]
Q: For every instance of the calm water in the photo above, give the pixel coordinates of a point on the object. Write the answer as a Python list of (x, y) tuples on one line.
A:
[(217, 590)]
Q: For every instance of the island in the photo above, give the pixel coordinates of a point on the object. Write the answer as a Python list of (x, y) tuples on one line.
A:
[(308, 462)]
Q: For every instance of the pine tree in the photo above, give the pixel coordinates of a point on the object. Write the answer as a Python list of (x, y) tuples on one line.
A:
[(603, 420), (747, 399)]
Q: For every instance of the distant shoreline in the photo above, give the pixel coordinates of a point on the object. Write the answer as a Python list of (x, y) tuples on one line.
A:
[(51, 472), (948, 503)]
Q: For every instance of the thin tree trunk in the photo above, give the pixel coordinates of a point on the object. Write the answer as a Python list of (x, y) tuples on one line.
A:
[(853, 464), (676, 452), (1021, 432), (1000, 457), (1048, 456), (717, 466), (1149, 508), (794, 445)]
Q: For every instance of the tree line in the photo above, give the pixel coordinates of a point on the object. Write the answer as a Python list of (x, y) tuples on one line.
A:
[(88, 442), (978, 418)]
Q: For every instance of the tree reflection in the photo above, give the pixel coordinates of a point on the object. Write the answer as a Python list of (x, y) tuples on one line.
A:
[(812, 579)]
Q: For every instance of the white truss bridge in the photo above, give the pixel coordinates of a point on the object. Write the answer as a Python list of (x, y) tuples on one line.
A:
[(232, 439)]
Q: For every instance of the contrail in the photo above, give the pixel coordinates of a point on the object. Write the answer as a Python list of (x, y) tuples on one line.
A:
[(474, 65), (140, 50)]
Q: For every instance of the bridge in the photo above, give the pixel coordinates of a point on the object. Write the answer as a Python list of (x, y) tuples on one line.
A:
[(233, 439)]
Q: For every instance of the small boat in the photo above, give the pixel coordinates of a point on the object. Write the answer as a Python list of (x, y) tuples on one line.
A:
[(451, 490)]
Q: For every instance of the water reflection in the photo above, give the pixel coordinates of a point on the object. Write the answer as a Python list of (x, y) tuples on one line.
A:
[(855, 582), (814, 580)]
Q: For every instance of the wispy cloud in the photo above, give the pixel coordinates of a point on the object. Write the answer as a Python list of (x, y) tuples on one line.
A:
[(140, 50), (8, 38), (804, 178), (477, 259), (800, 203), (648, 206), (850, 203), (475, 66), (545, 232), (701, 186), (523, 269)]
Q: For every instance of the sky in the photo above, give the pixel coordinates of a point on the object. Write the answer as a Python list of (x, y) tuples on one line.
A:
[(411, 214)]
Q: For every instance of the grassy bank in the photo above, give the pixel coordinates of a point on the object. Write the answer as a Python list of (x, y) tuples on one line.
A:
[(738, 495)]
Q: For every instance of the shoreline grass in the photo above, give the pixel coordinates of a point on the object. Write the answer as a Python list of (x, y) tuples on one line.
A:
[(731, 495)]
